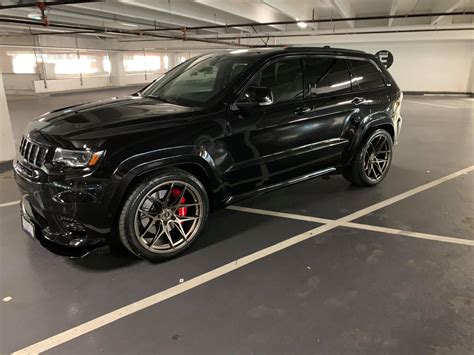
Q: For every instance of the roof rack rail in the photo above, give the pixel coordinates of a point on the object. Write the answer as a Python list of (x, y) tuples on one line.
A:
[(325, 48)]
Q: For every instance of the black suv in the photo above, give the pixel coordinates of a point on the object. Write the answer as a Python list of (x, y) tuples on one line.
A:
[(145, 170)]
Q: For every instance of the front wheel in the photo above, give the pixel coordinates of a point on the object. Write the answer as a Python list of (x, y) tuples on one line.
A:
[(372, 160), (163, 215)]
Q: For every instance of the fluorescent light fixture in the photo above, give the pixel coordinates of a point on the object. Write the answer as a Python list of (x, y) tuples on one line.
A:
[(35, 16), (128, 24), (237, 51), (302, 24)]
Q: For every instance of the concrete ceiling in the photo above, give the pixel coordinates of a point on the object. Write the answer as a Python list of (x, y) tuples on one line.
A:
[(127, 18)]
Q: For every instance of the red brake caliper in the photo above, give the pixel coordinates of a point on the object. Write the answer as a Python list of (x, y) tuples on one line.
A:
[(182, 210)]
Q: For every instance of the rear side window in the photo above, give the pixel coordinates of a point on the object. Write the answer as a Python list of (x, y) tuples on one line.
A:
[(324, 76), (365, 75), (284, 78)]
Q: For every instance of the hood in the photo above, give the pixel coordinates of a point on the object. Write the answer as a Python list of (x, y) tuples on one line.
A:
[(107, 118)]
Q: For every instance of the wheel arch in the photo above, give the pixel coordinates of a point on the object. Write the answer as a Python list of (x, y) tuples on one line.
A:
[(367, 126), (193, 164)]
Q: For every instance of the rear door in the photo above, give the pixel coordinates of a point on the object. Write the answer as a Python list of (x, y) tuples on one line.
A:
[(370, 89), (328, 107)]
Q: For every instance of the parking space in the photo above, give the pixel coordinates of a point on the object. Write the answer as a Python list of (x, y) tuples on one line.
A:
[(446, 209), (344, 291), (100, 282), (290, 283)]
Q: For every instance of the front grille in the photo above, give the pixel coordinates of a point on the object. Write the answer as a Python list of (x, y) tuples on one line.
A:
[(33, 152)]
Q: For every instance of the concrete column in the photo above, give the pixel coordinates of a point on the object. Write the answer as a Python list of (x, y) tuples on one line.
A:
[(6, 62), (171, 60), (470, 85), (117, 73), (7, 145)]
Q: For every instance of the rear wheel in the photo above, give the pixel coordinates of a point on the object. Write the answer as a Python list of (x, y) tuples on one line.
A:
[(163, 215), (372, 160)]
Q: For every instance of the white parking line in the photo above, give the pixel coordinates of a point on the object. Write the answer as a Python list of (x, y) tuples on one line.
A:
[(367, 227), (299, 217), (438, 238), (122, 312), (9, 203), (428, 104), (404, 195)]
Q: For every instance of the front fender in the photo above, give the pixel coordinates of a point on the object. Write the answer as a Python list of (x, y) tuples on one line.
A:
[(149, 162)]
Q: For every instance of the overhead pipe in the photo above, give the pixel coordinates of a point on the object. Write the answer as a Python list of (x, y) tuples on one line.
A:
[(40, 4), (99, 30), (321, 20), (124, 50), (186, 37), (342, 32), (49, 3), (72, 49)]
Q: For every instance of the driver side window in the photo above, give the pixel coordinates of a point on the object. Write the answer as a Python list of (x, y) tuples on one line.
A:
[(284, 78)]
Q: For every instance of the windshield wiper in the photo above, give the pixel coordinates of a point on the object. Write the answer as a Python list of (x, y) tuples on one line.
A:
[(162, 99)]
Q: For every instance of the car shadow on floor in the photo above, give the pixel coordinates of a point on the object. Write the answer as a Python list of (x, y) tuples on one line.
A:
[(221, 226), (332, 192)]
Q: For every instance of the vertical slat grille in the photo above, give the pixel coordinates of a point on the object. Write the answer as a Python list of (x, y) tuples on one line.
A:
[(32, 152)]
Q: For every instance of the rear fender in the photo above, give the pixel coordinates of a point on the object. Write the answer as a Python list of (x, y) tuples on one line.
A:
[(367, 125)]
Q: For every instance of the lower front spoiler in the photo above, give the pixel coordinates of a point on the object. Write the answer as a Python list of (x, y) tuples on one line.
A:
[(60, 244), (63, 250)]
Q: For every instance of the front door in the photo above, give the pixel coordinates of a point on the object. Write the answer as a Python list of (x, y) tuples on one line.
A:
[(264, 139)]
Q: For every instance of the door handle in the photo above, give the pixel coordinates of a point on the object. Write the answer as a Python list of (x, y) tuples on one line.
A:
[(358, 100), (301, 111)]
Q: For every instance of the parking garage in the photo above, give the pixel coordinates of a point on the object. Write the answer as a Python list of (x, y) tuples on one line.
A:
[(319, 266)]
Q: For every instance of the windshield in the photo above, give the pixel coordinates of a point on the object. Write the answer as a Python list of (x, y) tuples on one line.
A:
[(196, 83)]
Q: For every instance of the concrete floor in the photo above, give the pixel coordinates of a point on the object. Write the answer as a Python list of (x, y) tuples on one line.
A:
[(347, 290)]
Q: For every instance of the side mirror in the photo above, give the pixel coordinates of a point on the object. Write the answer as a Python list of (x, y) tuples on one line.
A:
[(255, 96)]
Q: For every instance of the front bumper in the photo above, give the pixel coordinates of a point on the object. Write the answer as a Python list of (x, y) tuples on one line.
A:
[(71, 217)]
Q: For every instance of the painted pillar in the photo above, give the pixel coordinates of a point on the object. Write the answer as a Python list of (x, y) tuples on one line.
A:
[(7, 145), (117, 72)]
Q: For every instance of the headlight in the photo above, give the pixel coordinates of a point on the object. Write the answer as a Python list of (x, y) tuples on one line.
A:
[(77, 158)]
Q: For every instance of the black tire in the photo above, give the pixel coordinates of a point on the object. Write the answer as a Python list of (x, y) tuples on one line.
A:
[(357, 174), (127, 228)]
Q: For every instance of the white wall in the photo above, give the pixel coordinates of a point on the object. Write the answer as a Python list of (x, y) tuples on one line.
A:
[(19, 84), (439, 61), (62, 85), (431, 66)]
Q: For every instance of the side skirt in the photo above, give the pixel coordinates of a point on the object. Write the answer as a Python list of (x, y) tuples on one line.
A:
[(265, 189)]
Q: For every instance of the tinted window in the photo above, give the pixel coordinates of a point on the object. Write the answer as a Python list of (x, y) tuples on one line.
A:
[(284, 78), (325, 75), (366, 75), (199, 81)]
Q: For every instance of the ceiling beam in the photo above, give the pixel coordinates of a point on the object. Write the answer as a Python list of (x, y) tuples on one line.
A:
[(134, 15), (289, 11), (456, 5), (254, 11), (187, 9), (393, 11), (318, 20), (98, 30), (345, 10)]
